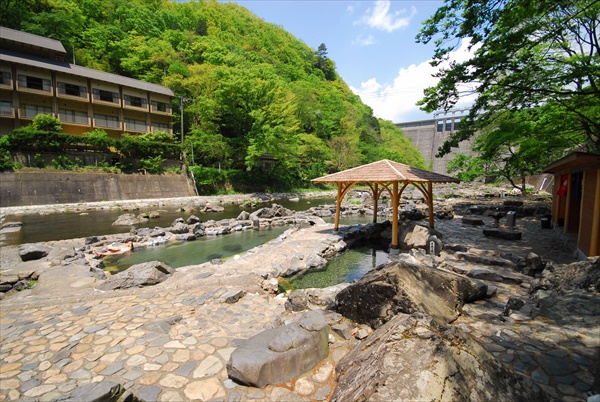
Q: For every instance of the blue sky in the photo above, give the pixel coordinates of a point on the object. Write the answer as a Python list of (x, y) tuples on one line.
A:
[(371, 42)]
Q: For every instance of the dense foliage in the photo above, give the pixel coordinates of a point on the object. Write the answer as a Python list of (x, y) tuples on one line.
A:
[(45, 134), (535, 72), (256, 98)]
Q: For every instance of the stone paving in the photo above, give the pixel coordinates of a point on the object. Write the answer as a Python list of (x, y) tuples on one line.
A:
[(171, 342), (166, 343)]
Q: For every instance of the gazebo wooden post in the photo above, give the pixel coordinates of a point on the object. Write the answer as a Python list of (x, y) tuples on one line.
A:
[(395, 203), (375, 200), (430, 203), (338, 207)]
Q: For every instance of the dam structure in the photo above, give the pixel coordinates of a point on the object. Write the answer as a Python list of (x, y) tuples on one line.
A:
[(429, 135)]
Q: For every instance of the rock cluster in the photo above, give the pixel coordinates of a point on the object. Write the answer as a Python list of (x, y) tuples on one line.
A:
[(413, 357), (11, 284)]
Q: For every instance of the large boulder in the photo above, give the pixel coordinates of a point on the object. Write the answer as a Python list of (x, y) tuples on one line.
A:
[(578, 275), (128, 219), (139, 275), (407, 286), (413, 358), (29, 252), (280, 354)]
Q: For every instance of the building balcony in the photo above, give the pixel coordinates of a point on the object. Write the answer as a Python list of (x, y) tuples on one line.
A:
[(155, 127), (103, 122), (135, 127), (81, 96), (29, 112), (7, 111), (74, 120), (161, 108)]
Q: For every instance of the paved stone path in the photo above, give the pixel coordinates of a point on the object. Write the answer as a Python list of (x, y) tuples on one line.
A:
[(171, 342), (166, 343)]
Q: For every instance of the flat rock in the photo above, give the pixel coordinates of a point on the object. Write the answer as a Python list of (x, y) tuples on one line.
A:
[(139, 275), (29, 252)]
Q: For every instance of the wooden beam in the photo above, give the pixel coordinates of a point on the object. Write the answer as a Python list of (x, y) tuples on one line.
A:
[(338, 205), (595, 240), (430, 203), (568, 204), (375, 189), (395, 203)]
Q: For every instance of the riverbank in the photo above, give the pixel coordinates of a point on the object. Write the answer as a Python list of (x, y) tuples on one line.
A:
[(183, 203)]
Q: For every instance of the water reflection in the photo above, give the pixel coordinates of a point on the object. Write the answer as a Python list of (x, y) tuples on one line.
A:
[(198, 251), (345, 267), (70, 225)]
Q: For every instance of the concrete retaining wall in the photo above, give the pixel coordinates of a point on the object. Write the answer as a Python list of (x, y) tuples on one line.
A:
[(35, 188)]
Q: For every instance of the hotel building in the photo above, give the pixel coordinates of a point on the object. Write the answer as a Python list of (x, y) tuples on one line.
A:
[(36, 79)]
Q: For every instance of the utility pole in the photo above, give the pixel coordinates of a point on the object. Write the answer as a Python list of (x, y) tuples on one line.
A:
[(183, 99)]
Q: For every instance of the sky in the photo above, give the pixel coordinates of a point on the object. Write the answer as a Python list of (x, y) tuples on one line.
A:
[(372, 44)]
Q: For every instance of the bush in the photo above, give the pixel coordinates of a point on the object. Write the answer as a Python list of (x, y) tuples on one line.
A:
[(5, 160), (45, 122), (99, 138), (153, 164)]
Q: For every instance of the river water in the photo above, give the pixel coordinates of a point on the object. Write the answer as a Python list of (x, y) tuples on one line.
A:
[(346, 267)]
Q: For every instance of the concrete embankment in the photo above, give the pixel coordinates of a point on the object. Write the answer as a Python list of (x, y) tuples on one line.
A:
[(37, 188)]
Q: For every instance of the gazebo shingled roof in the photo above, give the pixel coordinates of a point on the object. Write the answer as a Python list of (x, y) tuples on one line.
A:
[(386, 171), (388, 174)]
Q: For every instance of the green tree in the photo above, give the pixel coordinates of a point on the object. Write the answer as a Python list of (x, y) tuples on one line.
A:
[(527, 54)]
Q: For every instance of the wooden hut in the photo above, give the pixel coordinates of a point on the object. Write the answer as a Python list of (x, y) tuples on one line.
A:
[(576, 199)]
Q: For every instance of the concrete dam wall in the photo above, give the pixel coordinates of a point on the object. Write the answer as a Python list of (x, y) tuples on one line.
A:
[(36, 188)]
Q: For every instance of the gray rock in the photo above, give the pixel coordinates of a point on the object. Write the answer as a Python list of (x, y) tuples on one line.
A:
[(315, 262), (128, 219), (179, 228), (29, 252), (324, 296), (233, 296), (295, 266), (578, 275), (193, 219), (280, 354), (471, 220), (139, 275), (503, 234), (296, 301), (407, 286), (415, 358), (243, 216)]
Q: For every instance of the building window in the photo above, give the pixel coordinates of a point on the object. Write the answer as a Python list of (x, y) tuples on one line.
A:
[(135, 125), (71, 89), (456, 124), (105, 96), (33, 110), (73, 116), (36, 83), (440, 126), (6, 108), (448, 125), (160, 127), (103, 120), (6, 77), (161, 107), (135, 101)]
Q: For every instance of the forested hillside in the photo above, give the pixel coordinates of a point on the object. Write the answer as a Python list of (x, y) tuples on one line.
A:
[(258, 99)]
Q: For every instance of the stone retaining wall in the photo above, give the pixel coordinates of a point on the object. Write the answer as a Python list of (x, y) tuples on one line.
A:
[(33, 188)]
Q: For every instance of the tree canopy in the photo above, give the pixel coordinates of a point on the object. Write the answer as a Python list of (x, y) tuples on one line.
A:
[(254, 91), (534, 59)]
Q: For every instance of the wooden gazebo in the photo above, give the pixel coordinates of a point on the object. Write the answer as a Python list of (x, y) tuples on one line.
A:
[(386, 175)]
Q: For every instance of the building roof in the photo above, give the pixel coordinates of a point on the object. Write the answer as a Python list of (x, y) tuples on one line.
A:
[(573, 162), (63, 67), (30, 43), (385, 171)]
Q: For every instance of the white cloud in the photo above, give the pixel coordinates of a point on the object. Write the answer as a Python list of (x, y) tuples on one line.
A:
[(364, 40), (397, 102), (380, 17), (350, 9)]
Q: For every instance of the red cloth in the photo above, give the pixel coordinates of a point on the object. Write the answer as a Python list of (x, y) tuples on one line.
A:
[(564, 183)]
